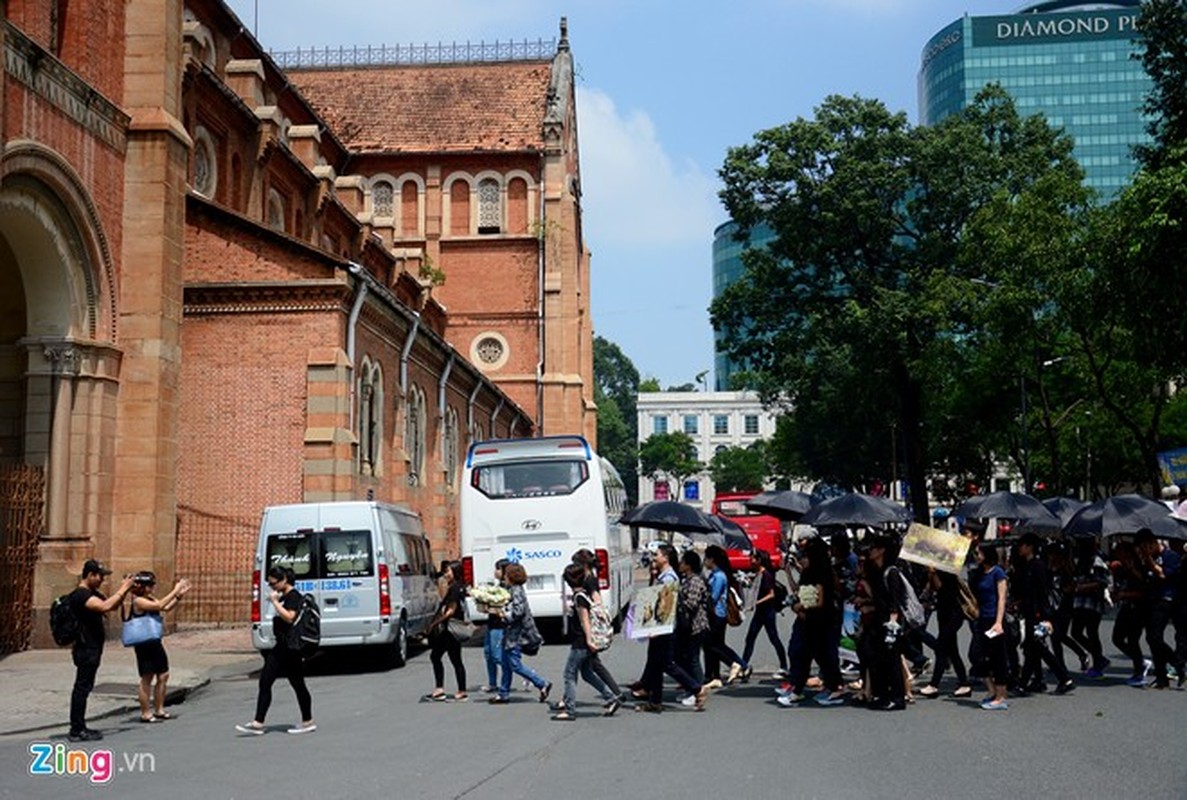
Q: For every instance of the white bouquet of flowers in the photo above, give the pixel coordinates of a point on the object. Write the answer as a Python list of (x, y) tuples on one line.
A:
[(489, 596), (809, 597)]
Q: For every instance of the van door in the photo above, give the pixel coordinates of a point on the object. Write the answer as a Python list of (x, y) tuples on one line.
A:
[(349, 584)]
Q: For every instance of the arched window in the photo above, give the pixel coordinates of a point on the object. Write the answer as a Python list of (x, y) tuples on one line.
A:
[(370, 419), (275, 216), (409, 209), (459, 208), (382, 195), (414, 435), (490, 206), (517, 206)]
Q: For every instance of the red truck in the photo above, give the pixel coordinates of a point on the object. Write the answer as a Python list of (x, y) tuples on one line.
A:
[(765, 532)]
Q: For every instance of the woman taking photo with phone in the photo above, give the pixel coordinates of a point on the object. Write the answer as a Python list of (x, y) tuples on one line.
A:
[(152, 662)]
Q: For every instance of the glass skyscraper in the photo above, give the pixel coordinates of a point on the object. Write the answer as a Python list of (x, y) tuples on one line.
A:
[(728, 268), (1070, 60)]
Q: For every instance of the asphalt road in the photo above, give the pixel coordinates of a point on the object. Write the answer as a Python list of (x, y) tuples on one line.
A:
[(377, 738)]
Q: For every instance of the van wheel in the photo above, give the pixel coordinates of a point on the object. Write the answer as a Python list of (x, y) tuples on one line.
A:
[(399, 648)]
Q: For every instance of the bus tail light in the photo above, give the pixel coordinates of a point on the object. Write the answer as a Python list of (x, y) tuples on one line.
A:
[(255, 596), (468, 570), (385, 592), (603, 568)]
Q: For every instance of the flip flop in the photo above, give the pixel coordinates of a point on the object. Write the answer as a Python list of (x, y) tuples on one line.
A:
[(148, 720), (437, 698), (164, 715)]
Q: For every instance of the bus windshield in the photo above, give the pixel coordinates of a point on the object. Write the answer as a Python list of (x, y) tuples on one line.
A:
[(535, 478)]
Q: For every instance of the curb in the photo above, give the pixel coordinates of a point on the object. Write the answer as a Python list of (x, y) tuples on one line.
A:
[(172, 697)]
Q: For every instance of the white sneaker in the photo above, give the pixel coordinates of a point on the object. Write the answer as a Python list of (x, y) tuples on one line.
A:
[(301, 728), (688, 700), (252, 729), (779, 674), (789, 700)]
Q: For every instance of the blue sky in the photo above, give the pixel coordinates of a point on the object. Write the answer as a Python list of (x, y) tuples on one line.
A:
[(664, 89)]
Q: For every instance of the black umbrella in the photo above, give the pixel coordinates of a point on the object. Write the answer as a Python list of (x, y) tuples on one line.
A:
[(1125, 514), (856, 509), (668, 515), (1007, 505), (785, 505), (1064, 507), (728, 534)]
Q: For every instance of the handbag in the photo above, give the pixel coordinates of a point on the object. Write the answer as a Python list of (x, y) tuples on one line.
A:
[(141, 629), (460, 629), (733, 608), (968, 601)]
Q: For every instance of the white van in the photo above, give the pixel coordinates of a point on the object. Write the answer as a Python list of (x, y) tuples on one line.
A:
[(536, 502), (368, 565)]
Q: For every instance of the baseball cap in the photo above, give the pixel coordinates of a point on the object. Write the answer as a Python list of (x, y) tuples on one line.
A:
[(93, 567)]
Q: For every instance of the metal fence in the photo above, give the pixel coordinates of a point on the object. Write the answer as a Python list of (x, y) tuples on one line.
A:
[(413, 54), (215, 553), (22, 521)]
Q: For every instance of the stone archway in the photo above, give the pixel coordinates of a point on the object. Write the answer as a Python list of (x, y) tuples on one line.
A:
[(58, 380)]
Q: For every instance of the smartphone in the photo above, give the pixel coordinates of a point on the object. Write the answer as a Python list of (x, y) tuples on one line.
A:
[(992, 634)]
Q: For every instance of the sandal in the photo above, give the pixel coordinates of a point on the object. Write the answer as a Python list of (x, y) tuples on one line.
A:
[(563, 716), (439, 697), (164, 715), (149, 720), (963, 691), (928, 691), (460, 697)]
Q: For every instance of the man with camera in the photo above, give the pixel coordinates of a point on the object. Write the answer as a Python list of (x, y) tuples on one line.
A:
[(1035, 612), (89, 605)]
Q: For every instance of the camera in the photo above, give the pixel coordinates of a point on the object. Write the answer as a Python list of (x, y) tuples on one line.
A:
[(1041, 632), (892, 632), (144, 579)]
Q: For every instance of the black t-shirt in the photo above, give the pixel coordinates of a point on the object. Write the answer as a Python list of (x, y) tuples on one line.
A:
[(280, 629), (766, 585), (576, 632), (90, 623)]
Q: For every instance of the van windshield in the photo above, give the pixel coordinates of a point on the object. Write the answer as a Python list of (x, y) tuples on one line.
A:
[(515, 479)]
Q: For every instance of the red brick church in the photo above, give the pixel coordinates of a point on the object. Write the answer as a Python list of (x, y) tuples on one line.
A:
[(226, 284)]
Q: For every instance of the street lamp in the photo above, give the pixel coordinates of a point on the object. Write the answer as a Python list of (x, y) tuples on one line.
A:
[(1025, 427)]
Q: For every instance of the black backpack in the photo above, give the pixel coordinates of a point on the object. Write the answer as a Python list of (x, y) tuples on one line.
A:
[(63, 623), (305, 635)]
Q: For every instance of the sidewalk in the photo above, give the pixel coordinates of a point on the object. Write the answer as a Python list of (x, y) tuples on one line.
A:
[(37, 683)]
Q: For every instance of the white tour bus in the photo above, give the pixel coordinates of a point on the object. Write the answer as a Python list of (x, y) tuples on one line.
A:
[(536, 502)]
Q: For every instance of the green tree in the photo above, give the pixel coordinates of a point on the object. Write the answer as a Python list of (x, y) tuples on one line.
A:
[(1162, 25), (649, 385), (740, 469), (856, 304), (670, 456), (616, 388)]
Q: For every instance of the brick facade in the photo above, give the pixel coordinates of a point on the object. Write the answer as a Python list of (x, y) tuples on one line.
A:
[(227, 322)]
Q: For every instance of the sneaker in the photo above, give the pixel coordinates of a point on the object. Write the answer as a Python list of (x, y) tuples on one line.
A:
[(735, 673), (1147, 665), (563, 716), (779, 675), (849, 669), (544, 692), (499, 700), (88, 735), (1093, 674), (891, 705), (688, 700), (784, 689), (789, 700), (610, 707), (488, 689), (302, 728), (1065, 687), (994, 705), (834, 699), (254, 730), (1137, 682)]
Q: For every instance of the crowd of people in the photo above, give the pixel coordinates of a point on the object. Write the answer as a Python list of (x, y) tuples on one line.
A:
[(863, 617)]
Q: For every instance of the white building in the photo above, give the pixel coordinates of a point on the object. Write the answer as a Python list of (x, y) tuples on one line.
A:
[(714, 421)]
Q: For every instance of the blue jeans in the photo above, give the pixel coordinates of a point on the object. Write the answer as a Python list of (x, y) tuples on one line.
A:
[(579, 661), (513, 663), (492, 649)]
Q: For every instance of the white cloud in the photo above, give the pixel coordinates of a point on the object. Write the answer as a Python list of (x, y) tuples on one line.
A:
[(634, 193)]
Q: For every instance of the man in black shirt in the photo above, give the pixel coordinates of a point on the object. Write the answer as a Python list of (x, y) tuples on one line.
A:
[(89, 605), (1035, 614)]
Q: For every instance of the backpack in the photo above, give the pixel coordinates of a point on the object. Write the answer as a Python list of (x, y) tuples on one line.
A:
[(601, 625), (912, 610), (733, 608), (63, 623), (780, 595), (305, 635)]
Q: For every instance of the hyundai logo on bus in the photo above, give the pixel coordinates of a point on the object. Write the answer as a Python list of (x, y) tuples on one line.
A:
[(515, 555), (531, 524)]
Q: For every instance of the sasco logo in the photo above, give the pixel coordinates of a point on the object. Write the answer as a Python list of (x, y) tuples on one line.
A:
[(515, 555)]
